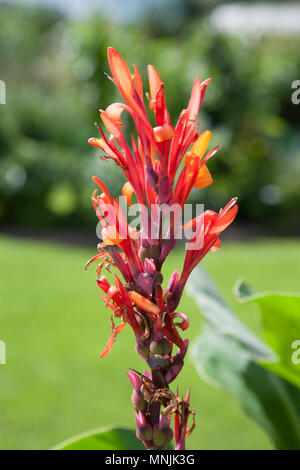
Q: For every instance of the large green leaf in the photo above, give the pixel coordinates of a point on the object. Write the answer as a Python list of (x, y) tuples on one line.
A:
[(220, 316), (281, 327), (226, 353), (103, 439)]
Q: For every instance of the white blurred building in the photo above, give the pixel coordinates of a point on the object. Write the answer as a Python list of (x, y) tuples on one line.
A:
[(257, 18)]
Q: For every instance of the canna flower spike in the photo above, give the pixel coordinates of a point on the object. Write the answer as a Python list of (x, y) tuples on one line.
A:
[(161, 167)]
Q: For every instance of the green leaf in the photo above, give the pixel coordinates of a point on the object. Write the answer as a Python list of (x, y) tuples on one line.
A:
[(281, 327), (226, 354), (267, 398), (103, 439), (219, 315)]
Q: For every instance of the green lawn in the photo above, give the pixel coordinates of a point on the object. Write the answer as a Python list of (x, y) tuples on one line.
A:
[(54, 325)]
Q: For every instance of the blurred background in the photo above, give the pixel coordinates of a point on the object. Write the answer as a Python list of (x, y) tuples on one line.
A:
[(53, 60)]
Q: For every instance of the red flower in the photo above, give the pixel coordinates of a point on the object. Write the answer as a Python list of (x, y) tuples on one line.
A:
[(151, 165)]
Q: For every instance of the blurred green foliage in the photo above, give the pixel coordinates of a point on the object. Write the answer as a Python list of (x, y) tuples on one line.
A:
[(54, 72)]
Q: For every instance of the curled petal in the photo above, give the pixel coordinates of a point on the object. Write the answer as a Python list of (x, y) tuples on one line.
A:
[(96, 142), (115, 110), (111, 125), (163, 133), (185, 321), (115, 330), (101, 143), (93, 259)]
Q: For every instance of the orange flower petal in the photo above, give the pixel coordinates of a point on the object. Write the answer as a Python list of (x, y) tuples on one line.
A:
[(138, 82), (110, 236), (111, 125), (216, 245), (127, 192), (103, 187), (115, 330), (120, 72), (104, 146), (141, 302), (194, 103), (225, 221), (154, 82), (162, 133), (115, 110), (204, 178), (93, 259)]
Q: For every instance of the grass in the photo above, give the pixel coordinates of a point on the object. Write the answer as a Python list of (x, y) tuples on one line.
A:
[(54, 326)]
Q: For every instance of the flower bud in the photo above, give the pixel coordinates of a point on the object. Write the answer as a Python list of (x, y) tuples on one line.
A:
[(143, 350), (162, 437), (145, 253), (161, 347), (138, 401), (144, 433)]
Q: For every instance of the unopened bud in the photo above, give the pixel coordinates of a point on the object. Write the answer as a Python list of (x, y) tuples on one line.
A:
[(138, 401), (162, 437), (143, 350), (145, 253), (144, 434), (161, 347)]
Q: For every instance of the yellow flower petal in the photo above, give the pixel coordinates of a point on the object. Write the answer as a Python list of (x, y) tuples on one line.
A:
[(201, 144)]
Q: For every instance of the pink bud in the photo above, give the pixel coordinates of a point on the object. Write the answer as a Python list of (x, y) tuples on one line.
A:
[(135, 380), (173, 280), (138, 401), (149, 266), (140, 420)]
